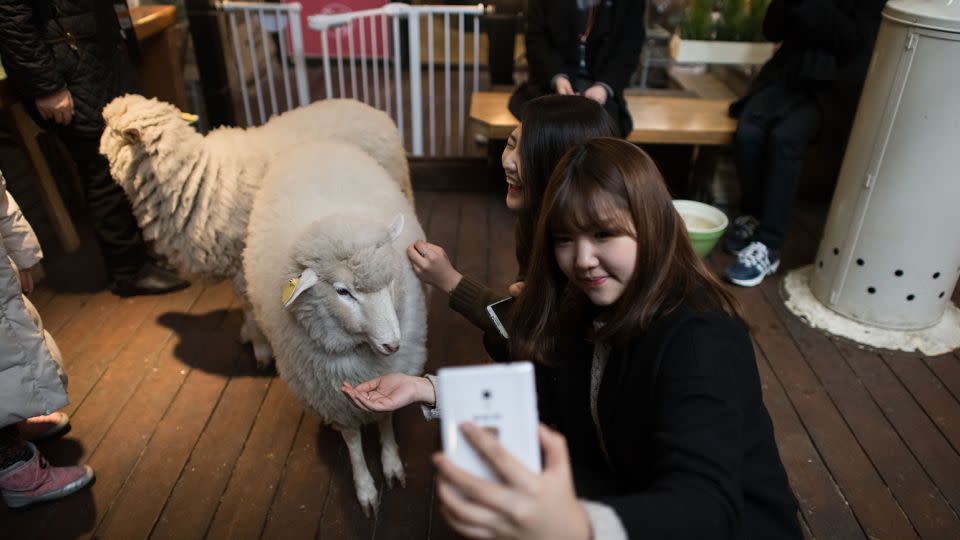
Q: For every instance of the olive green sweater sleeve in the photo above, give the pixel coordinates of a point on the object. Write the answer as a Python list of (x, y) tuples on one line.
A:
[(470, 298)]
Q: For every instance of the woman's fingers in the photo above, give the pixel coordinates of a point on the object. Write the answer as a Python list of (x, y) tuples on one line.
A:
[(468, 514), (500, 460), (368, 386), (413, 253), (554, 446), (490, 494), (467, 531), (354, 398)]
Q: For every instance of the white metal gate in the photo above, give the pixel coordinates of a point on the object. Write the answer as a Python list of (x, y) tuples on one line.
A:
[(257, 32), (390, 84), (366, 65)]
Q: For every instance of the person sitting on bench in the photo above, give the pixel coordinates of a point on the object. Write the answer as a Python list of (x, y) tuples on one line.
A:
[(595, 61)]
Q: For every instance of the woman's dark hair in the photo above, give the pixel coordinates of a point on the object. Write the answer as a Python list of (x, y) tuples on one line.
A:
[(551, 125), (611, 185)]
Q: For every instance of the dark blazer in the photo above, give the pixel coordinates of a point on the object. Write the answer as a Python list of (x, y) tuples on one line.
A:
[(40, 61), (613, 48), (612, 55), (690, 444)]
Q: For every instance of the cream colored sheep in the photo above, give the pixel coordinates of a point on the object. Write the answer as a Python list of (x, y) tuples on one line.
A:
[(332, 289), (191, 194)]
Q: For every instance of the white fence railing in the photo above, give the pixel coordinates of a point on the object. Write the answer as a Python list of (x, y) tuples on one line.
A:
[(363, 61), (378, 60), (260, 46)]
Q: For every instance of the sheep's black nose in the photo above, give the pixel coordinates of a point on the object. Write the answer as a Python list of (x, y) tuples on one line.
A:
[(390, 348)]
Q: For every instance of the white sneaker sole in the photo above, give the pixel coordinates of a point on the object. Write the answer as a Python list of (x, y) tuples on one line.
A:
[(14, 500), (757, 280)]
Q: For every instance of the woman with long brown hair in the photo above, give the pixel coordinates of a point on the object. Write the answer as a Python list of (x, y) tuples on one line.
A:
[(550, 125), (644, 368)]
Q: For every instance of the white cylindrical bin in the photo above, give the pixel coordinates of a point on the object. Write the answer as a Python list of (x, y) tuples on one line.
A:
[(890, 255)]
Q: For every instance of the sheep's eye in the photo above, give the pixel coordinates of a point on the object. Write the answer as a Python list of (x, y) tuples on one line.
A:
[(344, 292)]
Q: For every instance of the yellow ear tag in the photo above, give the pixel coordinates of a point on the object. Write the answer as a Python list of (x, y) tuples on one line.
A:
[(288, 290), (189, 118)]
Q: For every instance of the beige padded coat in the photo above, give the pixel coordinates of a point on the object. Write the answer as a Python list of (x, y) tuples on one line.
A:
[(31, 377)]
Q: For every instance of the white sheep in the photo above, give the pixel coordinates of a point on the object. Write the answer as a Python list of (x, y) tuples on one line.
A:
[(192, 194), (333, 290)]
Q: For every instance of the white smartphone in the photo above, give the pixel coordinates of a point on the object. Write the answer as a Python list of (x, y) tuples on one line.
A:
[(500, 398), (497, 312)]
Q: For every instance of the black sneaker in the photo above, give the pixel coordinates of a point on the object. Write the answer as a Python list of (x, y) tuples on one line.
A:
[(740, 234), (150, 279)]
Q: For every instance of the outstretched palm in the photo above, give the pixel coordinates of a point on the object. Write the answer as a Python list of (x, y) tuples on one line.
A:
[(387, 393)]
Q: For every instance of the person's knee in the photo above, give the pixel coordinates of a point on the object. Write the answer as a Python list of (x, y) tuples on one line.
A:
[(786, 140), (748, 133)]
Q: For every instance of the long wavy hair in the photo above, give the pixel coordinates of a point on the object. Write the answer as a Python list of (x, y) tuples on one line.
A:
[(551, 125), (611, 185)]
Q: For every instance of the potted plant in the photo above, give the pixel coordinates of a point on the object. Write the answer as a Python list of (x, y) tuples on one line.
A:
[(729, 34)]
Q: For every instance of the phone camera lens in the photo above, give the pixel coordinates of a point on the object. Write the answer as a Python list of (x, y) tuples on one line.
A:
[(486, 394)]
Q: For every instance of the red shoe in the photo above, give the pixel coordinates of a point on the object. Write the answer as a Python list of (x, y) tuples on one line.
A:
[(41, 427), (35, 480)]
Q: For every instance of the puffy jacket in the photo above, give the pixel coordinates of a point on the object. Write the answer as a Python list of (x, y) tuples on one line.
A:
[(41, 58), (31, 376)]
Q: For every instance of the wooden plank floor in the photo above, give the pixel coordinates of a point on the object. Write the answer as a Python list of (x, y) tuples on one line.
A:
[(189, 441)]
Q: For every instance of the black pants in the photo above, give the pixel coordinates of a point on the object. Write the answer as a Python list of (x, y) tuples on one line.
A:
[(775, 128), (117, 232)]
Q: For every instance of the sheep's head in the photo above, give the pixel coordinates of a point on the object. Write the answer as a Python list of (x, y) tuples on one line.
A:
[(133, 120), (346, 284)]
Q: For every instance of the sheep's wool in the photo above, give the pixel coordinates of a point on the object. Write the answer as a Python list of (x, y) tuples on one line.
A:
[(330, 208), (191, 194)]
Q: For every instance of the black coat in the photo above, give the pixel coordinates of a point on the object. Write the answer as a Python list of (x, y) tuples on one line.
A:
[(613, 47), (690, 443), (39, 60), (553, 47), (825, 50)]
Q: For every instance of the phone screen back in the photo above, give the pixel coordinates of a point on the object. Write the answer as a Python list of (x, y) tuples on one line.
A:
[(501, 398)]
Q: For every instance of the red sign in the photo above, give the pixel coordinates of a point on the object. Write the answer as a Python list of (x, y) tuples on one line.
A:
[(367, 37)]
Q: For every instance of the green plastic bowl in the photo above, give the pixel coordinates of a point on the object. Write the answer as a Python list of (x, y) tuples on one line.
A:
[(705, 224)]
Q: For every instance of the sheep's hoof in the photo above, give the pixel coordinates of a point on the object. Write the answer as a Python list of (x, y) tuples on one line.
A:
[(245, 334), (264, 355), (367, 495), (393, 470)]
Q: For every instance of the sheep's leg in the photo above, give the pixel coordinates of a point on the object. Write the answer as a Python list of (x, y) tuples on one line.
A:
[(249, 330), (389, 452), (240, 289), (366, 490), (250, 333)]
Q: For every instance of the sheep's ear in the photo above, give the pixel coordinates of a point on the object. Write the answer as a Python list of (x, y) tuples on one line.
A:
[(296, 286), (395, 228), (131, 135)]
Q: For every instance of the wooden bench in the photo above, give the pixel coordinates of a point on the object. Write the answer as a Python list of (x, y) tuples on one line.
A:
[(702, 123), (656, 119)]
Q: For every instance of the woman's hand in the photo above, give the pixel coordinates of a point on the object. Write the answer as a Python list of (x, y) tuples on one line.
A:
[(516, 288), (431, 264), (526, 505), (26, 281), (390, 392), (563, 86), (57, 107), (597, 93)]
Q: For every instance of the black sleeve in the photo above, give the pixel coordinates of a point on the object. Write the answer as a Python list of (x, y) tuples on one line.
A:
[(775, 21), (25, 53), (695, 488), (820, 23), (626, 55), (542, 57)]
